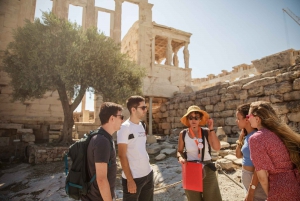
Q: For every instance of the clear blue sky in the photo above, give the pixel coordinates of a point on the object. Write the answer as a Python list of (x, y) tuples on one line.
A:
[(225, 33)]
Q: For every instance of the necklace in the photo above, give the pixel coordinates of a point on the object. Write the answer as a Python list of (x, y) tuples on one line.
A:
[(198, 141)]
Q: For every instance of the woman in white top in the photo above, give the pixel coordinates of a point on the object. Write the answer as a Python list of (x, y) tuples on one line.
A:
[(197, 148)]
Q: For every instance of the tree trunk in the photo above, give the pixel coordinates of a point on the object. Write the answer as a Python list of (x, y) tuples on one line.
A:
[(67, 128), (68, 109)]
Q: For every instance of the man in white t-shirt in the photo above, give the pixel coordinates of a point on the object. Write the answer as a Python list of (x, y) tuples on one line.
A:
[(137, 174)]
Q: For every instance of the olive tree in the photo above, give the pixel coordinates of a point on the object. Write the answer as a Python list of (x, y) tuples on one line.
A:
[(53, 54)]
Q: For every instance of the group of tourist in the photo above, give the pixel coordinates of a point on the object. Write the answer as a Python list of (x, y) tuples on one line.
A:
[(269, 148)]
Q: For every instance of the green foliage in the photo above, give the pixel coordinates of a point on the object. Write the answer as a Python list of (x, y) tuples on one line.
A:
[(54, 54)]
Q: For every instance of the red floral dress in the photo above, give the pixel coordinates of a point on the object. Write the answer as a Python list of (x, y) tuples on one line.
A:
[(269, 153)]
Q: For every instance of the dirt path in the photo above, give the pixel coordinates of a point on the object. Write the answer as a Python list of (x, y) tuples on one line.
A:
[(24, 182)]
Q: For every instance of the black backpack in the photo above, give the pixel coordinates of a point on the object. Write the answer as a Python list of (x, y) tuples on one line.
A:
[(205, 137), (78, 182)]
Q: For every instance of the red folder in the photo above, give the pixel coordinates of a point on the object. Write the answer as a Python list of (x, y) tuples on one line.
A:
[(192, 176)]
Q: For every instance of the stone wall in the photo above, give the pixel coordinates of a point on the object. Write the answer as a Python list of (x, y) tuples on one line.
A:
[(281, 59), (280, 85), (130, 41), (42, 154), (238, 72)]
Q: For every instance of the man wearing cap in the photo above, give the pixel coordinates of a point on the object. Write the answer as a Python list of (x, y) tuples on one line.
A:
[(197, 142)]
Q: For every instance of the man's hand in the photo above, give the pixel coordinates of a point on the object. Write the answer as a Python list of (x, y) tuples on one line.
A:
[(131, 186)]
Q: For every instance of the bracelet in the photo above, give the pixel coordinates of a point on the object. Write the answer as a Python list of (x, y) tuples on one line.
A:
[(211, 130)]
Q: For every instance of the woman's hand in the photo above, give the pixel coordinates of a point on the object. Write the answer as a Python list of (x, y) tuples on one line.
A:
[(181, 160), (210, 124)]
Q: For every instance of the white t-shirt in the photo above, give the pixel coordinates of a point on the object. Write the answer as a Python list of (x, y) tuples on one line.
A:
[(192, 149), (137, 155)]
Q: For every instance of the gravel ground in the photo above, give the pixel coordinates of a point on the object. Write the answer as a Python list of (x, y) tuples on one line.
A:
[(24, 182)]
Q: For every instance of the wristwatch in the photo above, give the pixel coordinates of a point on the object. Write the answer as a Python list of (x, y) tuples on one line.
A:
[(253, 187)]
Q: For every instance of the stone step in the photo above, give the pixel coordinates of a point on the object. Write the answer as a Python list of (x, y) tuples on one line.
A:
[(25, 130), (54, 132), (11, 126), (56, 127)]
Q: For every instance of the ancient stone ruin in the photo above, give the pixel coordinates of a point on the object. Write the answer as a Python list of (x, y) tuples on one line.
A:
[(274, 78)]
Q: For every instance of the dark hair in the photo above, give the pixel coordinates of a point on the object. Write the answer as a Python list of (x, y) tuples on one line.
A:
[(134, 101), (108, 109), (244, 110)]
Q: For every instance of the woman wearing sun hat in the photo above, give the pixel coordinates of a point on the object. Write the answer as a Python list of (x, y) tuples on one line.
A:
[(197, 149)]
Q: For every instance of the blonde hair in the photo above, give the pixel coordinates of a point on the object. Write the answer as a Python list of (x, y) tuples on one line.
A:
[(271, 121)]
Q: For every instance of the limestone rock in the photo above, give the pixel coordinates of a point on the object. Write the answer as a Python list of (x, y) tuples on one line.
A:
[(296, 84), (223, 152), (28, 138), (224, 145), (275, 61), (153, 149), (259, 82), (238, 161), (230, 121), (151, 139), (231, 152), (225, 164), (25, 130), (282, 87), (231, 157), (160, 157), (168, 151), (233, 146), (294, 116), (167, 146)]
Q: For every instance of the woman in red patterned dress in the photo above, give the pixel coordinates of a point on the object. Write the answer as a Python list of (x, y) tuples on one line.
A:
[(274, 150)]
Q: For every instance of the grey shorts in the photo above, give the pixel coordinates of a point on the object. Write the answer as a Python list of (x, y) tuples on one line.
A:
[(259, 193)]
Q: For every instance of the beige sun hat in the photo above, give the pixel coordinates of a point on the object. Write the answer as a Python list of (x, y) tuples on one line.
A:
[(194, 108)]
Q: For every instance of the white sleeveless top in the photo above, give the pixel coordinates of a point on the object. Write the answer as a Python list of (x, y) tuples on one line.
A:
[(192, 149)]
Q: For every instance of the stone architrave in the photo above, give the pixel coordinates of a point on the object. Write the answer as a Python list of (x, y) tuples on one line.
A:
[(186, 56)]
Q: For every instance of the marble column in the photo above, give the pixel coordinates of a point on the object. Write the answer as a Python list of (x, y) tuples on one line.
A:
[(186, 55), (27, 11), (112, 22), (150, 116), (117, 21), (89, 14), (61, 8), (153, 51), (169, 52)]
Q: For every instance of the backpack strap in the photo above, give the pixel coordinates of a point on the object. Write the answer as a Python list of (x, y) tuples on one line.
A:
[(205, 137), (66, 163), (96, 132), (144, 125), (183, 137)]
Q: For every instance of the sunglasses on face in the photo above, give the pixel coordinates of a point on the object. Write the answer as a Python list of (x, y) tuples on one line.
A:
[(195, 118), (121, 116), (249, 115), (143, 107)]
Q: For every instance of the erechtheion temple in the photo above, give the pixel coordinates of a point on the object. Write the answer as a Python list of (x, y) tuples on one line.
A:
[(274, 78)]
